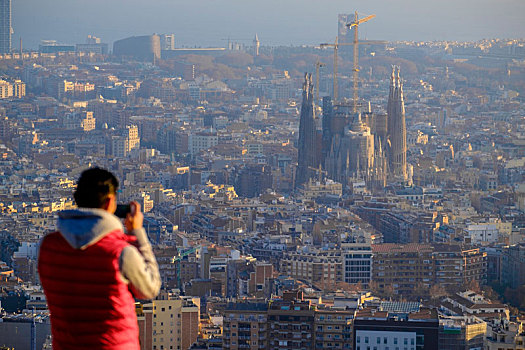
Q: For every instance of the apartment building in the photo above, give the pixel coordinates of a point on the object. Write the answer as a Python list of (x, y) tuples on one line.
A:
[(291, 324), (333, 328), (409, 269), (175, 322), (316, 266), (245, 326)]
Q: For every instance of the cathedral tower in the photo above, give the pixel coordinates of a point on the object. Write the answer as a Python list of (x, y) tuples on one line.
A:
[(397, 132), (256, 45), (309, 152)]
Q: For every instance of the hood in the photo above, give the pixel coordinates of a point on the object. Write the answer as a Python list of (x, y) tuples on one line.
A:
[(83, 227)]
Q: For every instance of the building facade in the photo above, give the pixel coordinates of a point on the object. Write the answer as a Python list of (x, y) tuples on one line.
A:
[(357, 263), (381, 330), (412, 269)]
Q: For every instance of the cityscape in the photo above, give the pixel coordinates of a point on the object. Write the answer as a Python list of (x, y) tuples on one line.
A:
[(353, 194)]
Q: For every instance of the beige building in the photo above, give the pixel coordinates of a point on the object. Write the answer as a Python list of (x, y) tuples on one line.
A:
[(88, 121), (461, 332), (175, 322), (15, 89), (505, 336), (318, 266), (133, 139), (314, 189)]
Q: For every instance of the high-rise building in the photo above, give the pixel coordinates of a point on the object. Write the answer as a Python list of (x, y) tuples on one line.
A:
[(175, 322), (167, 41), (357, 263), (397, 131), (345, 34), (309, 152), (5, 26)]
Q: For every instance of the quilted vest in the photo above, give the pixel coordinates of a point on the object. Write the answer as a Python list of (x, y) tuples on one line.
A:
[(90, 306)]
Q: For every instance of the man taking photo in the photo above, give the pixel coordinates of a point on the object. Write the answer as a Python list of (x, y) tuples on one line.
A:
[(91, 270)]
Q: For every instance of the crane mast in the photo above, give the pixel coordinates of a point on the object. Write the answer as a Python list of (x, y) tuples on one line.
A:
[(335, 45), (355, 24), (318, 64)]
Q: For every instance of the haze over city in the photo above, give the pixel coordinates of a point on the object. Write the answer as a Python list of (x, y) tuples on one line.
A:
[(262, 175), (278, 22)]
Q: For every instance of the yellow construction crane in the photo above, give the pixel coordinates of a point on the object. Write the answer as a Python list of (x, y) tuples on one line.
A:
[(355, 24), (336, 45), (318, 64)]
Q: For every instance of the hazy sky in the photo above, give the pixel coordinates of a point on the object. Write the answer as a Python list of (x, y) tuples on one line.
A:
[(297, 22)]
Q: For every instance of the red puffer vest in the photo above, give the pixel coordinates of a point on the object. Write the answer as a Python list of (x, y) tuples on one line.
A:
[(90, 306)]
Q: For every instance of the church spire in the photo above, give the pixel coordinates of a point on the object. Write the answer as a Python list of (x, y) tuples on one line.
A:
[(307, 144), (396, 134), (256, 45)]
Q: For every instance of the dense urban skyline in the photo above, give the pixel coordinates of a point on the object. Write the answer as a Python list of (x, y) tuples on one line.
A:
[(293, 195), (206, 22)]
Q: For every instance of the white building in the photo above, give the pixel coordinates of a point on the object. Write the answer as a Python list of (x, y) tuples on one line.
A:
[(357, 263), (483, 233), (202, 141)]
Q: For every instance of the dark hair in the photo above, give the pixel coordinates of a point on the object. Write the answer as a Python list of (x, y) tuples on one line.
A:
[(94, 186)]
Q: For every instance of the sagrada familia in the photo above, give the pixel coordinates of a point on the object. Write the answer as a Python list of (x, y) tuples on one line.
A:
[(353, 147)]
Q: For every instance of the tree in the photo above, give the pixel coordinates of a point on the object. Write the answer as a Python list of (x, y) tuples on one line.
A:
[(473, 285), (437, 291), (374, 287)]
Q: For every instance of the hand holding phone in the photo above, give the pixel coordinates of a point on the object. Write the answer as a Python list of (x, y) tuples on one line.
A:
[(122, 210), (134, 218)]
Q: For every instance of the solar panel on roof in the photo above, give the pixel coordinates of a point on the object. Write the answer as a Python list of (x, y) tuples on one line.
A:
[(402, 307)]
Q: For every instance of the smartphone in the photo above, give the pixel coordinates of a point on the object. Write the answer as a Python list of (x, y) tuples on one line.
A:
[(122, 210)]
